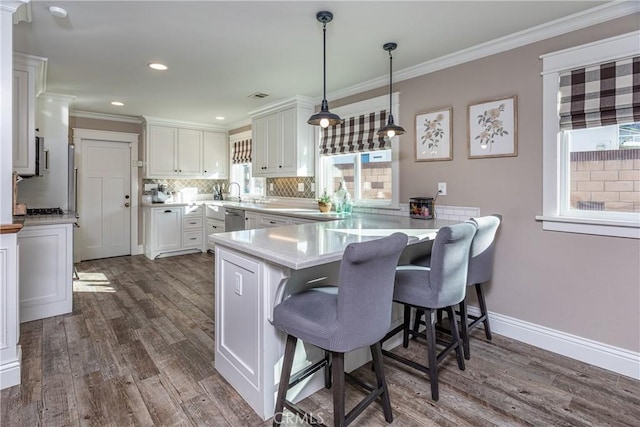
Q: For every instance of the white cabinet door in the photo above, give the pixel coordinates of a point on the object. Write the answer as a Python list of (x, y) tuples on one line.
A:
[(287, 141), (162, 151), (167, 229), (189, 153), (251, 220), (215, 158), (23, 123), (45, 271), (265, 152)]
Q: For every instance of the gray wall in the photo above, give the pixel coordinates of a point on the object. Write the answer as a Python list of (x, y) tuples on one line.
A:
[(579, 284)]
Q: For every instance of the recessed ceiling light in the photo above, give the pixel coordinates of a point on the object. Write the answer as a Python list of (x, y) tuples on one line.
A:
[(158, 66), (219, 118), (117, 103), (58, 12)]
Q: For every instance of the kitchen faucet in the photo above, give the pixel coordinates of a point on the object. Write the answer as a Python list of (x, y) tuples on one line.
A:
[(230, 184)]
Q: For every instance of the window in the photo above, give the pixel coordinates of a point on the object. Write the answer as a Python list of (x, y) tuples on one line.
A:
[(240, 149), (591, 153), (353, 153)]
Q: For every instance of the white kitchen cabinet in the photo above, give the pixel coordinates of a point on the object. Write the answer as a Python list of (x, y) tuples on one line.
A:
[(10, 351), (45, 271), (173, 230), (251, 220), (189, 153), (28, 75), (180, 151), (283, 142), (213, 226), (270, 221), (215, 155), (162, 142)]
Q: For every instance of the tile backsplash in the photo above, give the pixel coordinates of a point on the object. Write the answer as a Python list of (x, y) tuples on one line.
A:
[(204, 186), (288, 187)]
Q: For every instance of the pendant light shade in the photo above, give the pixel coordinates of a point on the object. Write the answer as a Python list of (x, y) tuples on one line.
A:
[(324, 118), (391, 129)]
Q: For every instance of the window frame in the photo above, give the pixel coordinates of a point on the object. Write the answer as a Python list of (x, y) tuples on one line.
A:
[(241, 136), (355, 109), (555, 151)]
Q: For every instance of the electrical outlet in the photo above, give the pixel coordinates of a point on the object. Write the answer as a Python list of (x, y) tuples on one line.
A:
[(442, 188), (271, 186), (312, 187), (301, 187)]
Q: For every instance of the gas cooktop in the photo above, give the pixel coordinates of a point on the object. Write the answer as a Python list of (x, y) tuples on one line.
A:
[(45, 211)]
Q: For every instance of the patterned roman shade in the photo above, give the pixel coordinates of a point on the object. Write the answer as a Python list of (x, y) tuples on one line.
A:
[(601, 95), (242, 151), (355, 135)]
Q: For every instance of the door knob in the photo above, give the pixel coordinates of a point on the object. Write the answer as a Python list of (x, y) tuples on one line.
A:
[(126, 205), (126, 197)]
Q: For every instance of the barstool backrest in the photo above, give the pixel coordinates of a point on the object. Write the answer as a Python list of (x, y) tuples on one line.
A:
[(365, 292), (483, 248), (449, 263)]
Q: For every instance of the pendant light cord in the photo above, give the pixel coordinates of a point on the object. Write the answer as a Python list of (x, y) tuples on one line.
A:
[(390, 82), (324, 61)]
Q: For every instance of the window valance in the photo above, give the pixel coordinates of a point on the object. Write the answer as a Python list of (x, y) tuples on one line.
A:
[(241, 151), (355, 135), (600, 95)]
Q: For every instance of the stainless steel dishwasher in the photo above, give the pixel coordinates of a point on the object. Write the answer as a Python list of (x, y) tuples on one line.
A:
[(233, 219)]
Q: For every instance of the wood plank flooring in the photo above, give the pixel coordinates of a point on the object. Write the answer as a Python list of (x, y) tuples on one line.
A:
[(138, 350)]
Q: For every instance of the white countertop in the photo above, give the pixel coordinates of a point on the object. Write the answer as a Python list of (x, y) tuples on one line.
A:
[(30, 220), (308, 245)]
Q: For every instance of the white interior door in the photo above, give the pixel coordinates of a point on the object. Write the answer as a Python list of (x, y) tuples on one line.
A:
[(106, 200)]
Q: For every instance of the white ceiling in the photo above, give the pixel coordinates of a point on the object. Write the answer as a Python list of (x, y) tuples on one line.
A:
[(220, 52)]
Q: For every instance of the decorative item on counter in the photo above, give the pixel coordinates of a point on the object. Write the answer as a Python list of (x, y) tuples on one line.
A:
[(338, 197), (421, 207), (348, 204), (147, 197), (324, 202)]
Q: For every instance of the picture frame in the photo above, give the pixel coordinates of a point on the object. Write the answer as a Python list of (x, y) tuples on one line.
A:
[(493, 128), (434, 135)]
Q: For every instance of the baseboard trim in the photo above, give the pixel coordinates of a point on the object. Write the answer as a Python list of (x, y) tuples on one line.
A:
[(10, 372), (137, 250), (605, 356)]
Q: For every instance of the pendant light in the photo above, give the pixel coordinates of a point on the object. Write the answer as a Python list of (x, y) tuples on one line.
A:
[(324, 118), (391, 129)]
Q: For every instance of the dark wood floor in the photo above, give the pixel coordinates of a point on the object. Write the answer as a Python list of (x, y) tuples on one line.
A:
[(138, 350)]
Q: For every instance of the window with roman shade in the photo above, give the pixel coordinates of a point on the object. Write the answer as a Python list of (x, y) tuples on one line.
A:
[(241, 152), (600, 95), (356, 134)]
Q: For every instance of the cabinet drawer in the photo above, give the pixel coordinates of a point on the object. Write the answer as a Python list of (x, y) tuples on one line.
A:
[(267, 221), (192, 239), (192, 223), (193, 211)]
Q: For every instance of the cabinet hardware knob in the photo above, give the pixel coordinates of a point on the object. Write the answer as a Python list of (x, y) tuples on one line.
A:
[(126, 205), (280, 166), (126, 197), (168, 211)]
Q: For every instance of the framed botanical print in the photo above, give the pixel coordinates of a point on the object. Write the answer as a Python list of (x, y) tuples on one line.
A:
[(493, 128), (434, 135)]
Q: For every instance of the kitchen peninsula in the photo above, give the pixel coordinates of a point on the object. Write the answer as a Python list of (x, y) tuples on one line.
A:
[(256, 269)]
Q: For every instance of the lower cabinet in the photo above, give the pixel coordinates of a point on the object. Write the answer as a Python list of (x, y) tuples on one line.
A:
[(45, 271), (172, 230), (213, 226), (10, 351), (255, 220)]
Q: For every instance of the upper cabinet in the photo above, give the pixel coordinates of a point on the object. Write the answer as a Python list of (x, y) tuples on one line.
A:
[(283, 142), (216, 155), (179, 150), (28, 83)]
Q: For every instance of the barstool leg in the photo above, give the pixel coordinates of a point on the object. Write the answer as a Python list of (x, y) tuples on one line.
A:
[(432, 356), (455, 336), (416, 323), (327, 369), (464, 330), (483, 310), (405, 330), (337, 370), (287, 363), (376, 355)]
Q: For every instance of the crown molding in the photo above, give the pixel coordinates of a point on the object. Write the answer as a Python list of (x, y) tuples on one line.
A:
[(577, 21), (11, 5), (239, 124), (184, 124), (58, 97), (104, 116)]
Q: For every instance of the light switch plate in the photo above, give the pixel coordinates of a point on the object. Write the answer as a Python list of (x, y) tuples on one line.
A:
[(301, 187)]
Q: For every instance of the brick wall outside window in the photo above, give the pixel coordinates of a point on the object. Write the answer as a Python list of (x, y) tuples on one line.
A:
[(606, 180)]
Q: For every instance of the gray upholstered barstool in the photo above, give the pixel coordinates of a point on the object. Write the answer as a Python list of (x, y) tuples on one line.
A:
[(357, 315), (480, 271), (440, 286)]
